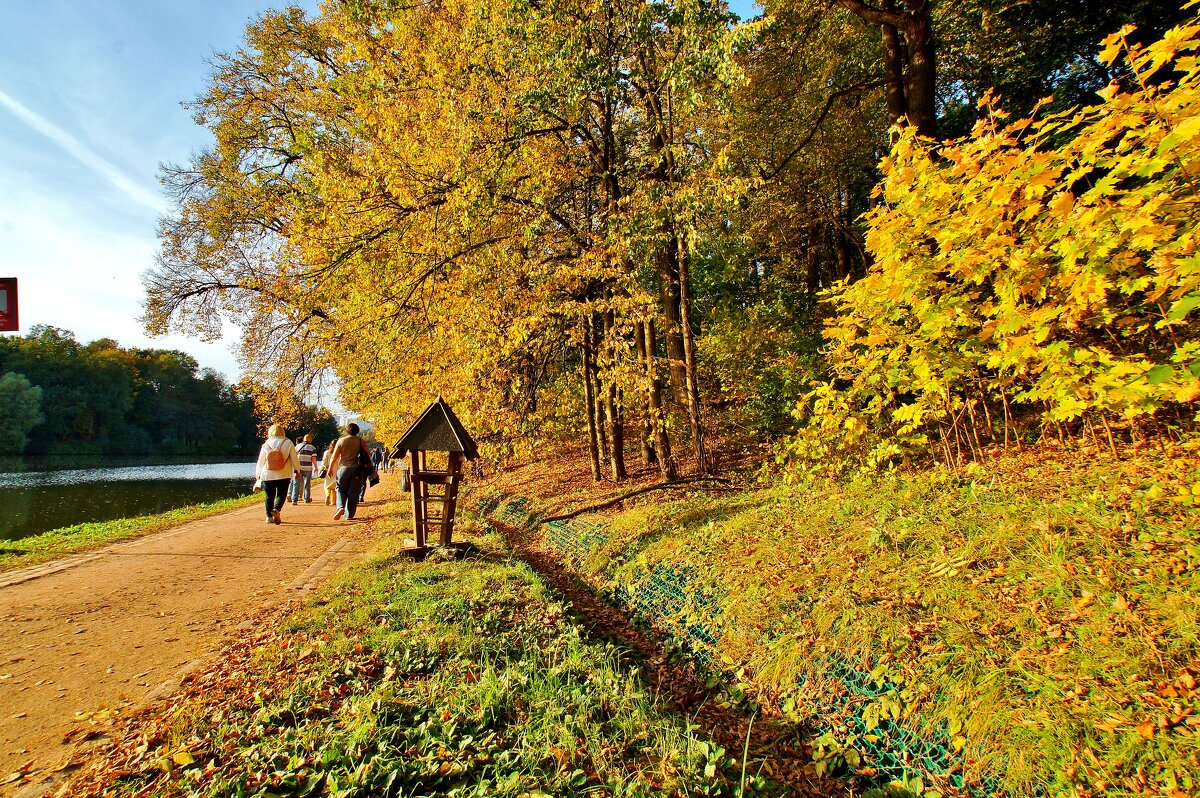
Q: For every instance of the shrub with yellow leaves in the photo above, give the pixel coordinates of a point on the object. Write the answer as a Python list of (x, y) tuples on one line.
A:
[(1045, 268)]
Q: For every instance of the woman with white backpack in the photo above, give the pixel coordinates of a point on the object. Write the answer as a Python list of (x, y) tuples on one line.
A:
[(277, 462)]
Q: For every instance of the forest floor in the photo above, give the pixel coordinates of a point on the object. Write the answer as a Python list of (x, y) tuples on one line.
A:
[(101, 632), (492, 676), (1029, 623)]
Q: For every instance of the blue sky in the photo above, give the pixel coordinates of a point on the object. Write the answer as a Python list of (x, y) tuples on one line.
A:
[(90, 97)]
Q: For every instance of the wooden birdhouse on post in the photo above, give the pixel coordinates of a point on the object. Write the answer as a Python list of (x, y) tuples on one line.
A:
[(434, 479)]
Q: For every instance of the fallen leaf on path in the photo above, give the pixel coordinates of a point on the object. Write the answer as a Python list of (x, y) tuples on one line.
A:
[(66, 764)]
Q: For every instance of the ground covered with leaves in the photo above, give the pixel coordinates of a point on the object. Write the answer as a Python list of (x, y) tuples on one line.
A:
[(463, 678), (1028, 626)]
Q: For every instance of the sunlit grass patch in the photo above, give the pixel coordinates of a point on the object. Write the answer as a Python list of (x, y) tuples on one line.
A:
[(1036, 620), (462, 678)]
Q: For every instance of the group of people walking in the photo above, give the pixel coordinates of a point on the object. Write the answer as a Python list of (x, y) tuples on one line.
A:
[(285, 469)]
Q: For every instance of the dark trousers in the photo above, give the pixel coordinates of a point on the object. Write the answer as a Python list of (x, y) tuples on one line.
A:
[(275, 492), (347, 489)]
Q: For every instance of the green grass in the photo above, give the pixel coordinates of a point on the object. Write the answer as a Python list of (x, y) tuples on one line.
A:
[(439, 678), (81, 537), (1038, 617)]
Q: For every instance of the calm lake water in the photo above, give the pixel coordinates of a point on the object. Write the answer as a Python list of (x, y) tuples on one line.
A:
[(39, 496)]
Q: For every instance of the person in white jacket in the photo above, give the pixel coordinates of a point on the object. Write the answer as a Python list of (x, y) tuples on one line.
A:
[(277, 462)]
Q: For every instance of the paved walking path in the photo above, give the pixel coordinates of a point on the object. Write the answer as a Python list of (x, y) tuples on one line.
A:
[(120, 625)]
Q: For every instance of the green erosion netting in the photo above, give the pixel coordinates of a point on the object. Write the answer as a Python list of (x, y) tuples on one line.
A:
[(895, 752), (669, 598), (663, 596)]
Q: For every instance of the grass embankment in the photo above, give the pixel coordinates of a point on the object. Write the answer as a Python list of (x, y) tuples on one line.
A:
[(1037, 620), (81, 537), (436, 678)]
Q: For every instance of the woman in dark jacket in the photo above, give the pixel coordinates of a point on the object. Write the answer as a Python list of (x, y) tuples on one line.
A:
[(345, 459)]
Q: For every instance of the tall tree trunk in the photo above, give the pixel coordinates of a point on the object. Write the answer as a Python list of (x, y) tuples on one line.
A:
[(843, 251), (893, 68), (920, 85), (812, 255), (658, 419), (854, 247), (667, 256), (668, 274), (602, 419), (612, 409), (920, 72), (672, 262), (589, 395), (689, 351), (601, 416), (616, 420), (649, 455)]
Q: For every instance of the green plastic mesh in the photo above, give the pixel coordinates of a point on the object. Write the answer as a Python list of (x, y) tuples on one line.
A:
[(575, 540), (669, 598), (488, 504), (895, 752)]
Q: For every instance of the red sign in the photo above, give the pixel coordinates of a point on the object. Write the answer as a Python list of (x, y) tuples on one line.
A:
[(8, 305)]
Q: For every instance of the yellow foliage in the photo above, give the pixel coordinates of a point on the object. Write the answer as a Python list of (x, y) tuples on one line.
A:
[(436, 198), (1048, 262)]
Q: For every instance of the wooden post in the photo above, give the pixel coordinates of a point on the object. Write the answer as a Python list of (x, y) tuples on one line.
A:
[(418, 486), (454, 468)]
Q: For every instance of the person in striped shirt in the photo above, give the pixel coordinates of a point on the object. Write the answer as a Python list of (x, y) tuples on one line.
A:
[(303, 479)]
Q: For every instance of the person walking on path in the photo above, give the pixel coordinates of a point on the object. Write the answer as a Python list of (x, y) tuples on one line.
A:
[(329, 472), (306, 453), (345, 457), (364, 471), (277, 462)]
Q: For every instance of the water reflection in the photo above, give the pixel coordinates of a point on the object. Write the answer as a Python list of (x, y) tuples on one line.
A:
[(161, 472), (34, 501)]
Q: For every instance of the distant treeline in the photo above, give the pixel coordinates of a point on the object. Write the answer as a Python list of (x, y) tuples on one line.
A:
[(58, 396)]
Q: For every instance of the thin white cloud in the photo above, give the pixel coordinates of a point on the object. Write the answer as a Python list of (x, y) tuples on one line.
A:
[(80, 152)]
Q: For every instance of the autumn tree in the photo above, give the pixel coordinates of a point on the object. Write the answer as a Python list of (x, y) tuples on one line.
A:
[(455, 199), (1039, 273), (20, 409)]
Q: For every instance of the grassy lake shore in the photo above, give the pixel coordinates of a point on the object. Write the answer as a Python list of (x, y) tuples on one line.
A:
[(81, 537)]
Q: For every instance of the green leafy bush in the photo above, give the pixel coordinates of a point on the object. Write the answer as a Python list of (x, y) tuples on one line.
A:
[(1046, 268)]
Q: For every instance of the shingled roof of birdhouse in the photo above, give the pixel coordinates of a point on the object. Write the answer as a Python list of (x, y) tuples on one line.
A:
[(438, 430)]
